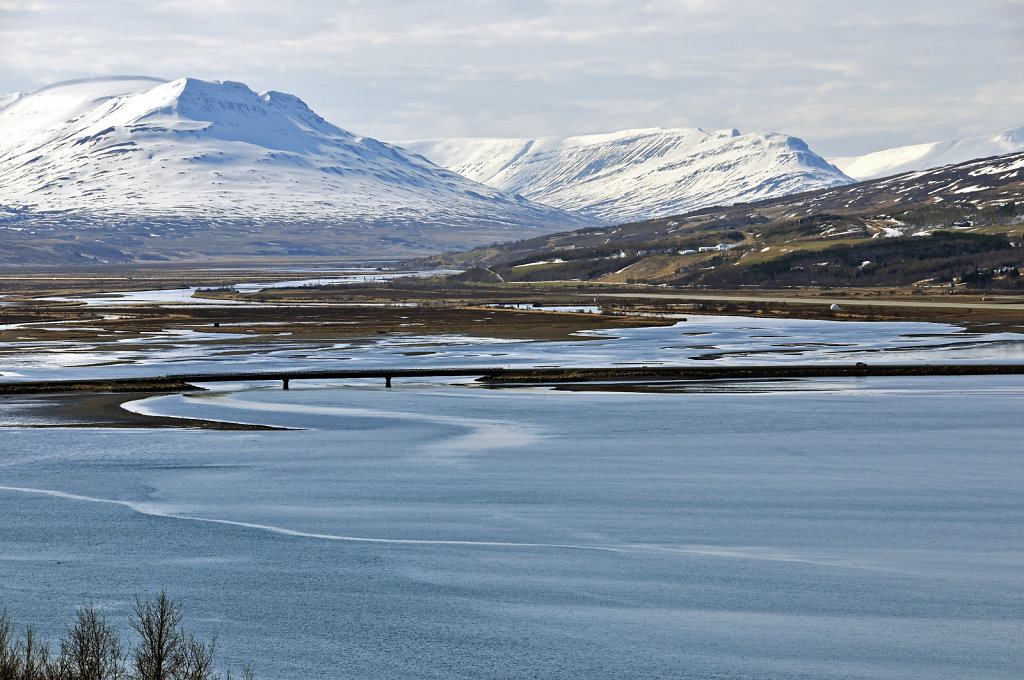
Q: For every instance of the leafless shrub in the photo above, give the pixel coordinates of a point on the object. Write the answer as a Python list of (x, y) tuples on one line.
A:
[(91, 648)]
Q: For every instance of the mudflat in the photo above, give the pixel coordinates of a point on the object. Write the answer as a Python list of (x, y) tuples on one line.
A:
[(98, 409)]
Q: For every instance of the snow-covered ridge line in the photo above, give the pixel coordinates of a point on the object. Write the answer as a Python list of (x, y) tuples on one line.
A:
[(931, 155), (638, 174)]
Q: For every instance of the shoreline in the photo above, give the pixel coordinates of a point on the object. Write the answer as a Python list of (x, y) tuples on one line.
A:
[(979, 316)]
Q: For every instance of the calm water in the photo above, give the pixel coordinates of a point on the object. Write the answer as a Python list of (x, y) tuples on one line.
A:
[(828, 529)]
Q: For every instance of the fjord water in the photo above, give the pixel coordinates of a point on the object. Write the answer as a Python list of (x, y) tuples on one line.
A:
[(862, 528)]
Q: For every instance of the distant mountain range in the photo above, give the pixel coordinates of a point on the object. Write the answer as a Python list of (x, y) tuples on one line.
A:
[(131, 168), (638, 174), (931, 155), (141, 165)]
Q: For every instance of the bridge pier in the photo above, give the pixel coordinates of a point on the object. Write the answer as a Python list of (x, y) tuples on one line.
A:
[(387, 381), (284, 384)]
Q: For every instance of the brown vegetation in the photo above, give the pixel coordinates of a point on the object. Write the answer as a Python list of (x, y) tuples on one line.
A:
[(91, 649)]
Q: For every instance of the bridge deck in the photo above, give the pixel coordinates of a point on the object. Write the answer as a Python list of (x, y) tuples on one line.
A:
[(497, 375)]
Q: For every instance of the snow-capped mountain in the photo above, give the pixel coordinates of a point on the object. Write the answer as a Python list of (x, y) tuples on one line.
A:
[(931, 155), (638, 174), (142, 149)]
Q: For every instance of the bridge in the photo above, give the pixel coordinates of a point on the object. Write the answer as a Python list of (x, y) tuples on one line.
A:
[(504, 375)]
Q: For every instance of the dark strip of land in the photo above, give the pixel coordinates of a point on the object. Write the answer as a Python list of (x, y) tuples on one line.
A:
[(552, 375), (491, 375), (101, 409)]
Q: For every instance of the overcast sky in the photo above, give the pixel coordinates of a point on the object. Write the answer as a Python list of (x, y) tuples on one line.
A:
[(848, 77)]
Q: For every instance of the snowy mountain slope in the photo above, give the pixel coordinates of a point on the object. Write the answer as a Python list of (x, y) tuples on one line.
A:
[(638, 174), (134, 149), (932, 155), (6, 99)]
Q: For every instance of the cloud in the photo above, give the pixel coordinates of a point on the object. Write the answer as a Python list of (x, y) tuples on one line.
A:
[(850, 78), (16, 6)]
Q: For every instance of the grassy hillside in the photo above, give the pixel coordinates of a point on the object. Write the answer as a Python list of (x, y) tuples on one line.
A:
[(954, 227)]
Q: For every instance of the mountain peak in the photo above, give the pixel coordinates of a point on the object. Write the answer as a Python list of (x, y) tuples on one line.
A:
[(219, 103)]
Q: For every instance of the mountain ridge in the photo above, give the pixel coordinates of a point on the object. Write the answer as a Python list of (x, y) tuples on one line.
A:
[(638, 174), (915, 157)]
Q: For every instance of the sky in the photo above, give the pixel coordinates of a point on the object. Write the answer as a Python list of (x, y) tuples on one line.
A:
[(847, 77)]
